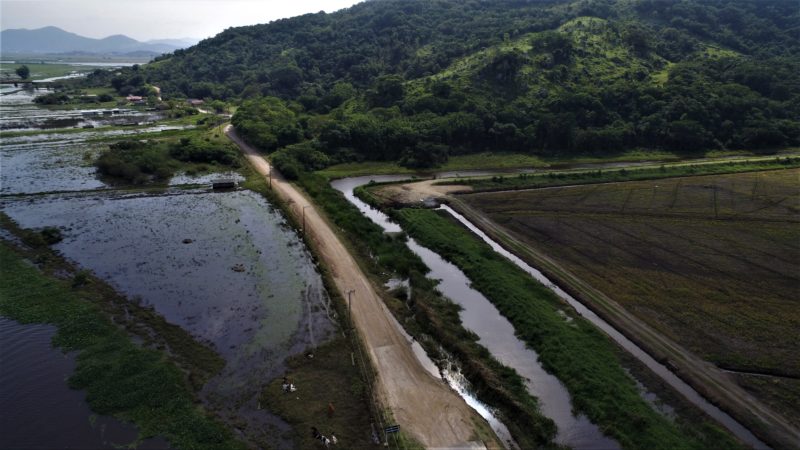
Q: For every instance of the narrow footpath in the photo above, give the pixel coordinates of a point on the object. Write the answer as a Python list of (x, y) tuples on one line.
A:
[(425, 407)]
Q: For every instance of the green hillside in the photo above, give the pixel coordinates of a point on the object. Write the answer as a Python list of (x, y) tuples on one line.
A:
[(417, 82)]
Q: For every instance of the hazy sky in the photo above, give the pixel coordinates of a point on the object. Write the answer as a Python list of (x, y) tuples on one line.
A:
[(154, 19)]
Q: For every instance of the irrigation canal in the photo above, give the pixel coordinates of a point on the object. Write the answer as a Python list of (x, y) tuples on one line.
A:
[(497, 334)]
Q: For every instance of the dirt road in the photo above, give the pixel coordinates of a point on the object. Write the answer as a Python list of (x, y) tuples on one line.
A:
[(424, 407)]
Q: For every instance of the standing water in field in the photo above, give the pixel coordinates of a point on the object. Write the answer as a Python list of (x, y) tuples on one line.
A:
[(224, 266), (495, 332), (39, 410)]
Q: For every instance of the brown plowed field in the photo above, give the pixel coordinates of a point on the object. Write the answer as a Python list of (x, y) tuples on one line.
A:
[(712, 262)]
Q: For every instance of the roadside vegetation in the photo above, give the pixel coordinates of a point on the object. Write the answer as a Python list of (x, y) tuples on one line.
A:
[(430, 317), (151, 384), (329, 378), (573, 350)]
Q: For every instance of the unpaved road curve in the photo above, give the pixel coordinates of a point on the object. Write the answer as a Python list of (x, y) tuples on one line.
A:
[(425, 407)]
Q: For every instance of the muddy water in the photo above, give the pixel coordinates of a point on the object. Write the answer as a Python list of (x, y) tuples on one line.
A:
[(495, 333), (659, 369), (38, 409), (224, 266), (57, 166)]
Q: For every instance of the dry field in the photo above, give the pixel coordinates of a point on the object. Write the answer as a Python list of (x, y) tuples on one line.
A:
[(711, 261)]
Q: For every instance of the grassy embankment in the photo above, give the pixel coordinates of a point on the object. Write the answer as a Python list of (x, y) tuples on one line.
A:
[(430, 317), (709, 261), (584, 359), (507, 161), (152, 384), (670, 170)]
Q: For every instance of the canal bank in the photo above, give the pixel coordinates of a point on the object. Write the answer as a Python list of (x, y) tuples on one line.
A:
[(427, 409)]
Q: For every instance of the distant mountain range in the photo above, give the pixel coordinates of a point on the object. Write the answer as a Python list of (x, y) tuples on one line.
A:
[(53, 40)]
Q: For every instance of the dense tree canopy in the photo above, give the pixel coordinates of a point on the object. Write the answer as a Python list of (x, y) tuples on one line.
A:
[(418, 81)]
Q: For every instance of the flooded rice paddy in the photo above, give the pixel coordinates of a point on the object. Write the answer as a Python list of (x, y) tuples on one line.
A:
[(225, 266), (36, 167), (38, 409)]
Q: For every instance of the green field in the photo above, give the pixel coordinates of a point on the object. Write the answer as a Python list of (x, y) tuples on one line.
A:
[(713, 262), (478, 161), (40, 71)]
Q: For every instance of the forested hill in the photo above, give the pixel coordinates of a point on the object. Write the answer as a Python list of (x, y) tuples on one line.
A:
[(418, 80)]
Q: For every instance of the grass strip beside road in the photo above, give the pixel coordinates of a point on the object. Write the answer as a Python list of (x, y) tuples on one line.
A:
[(577, 353), (433, 316), (566, 178), (329, 378), (121, 378)]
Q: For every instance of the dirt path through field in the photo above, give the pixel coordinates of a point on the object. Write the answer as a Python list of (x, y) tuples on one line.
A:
[(425, 407)]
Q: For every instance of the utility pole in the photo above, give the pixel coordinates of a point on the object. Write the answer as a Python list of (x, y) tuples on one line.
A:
[(349, 304), (304, 218)]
